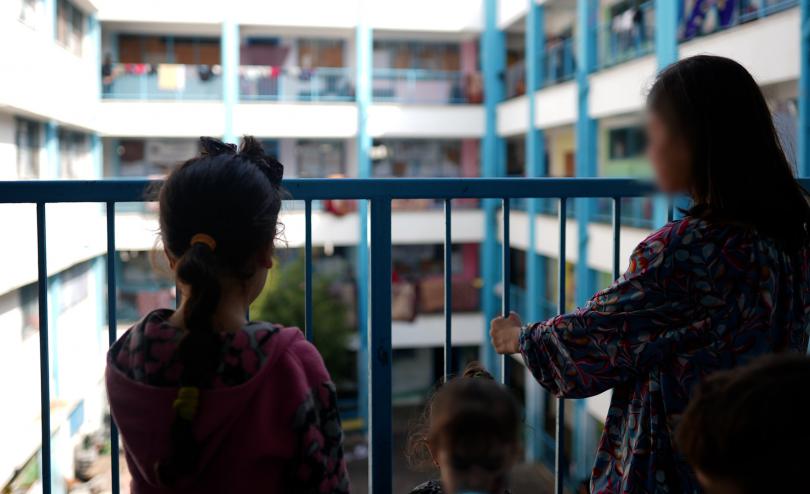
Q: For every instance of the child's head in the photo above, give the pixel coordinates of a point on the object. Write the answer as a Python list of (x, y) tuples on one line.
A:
[(472, 432), (218, 222), (743, 429)]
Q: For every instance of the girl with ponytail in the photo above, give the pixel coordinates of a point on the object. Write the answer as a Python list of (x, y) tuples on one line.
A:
[(207, 401)]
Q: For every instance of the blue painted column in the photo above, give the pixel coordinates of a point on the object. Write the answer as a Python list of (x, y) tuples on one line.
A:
[(94, 33), (230, 75), (536, 166), (51, 169), (583, 447), (96, 154), (363, 47), (666, 53), (586, 138), (50, 15), (804, 93), (493, 161)]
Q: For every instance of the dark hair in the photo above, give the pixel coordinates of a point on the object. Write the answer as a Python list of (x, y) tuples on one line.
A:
[(739, 170), (234, 197), (475, 419), (746, 425)]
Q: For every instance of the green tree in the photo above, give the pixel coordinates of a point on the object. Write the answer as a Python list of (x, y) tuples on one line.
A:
[(282, 302)]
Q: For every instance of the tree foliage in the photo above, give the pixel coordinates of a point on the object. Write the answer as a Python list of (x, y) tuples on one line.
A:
[(282, 302)]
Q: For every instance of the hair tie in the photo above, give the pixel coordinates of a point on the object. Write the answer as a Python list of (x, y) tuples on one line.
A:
[(202, 238), (186, 403)]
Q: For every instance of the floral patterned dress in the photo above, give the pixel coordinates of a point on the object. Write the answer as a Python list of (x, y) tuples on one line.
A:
[(697, 298)]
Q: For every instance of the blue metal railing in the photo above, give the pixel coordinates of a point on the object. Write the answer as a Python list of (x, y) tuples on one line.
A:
[(421, 86), (627, 35), (559, 63), (379, 193), (264, 83), (143, 81)]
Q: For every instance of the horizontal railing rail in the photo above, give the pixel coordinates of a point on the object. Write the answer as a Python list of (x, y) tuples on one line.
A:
[(379, 193)]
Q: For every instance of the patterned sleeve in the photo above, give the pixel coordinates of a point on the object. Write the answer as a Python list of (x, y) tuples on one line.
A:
[(626, 328), (319, 465)]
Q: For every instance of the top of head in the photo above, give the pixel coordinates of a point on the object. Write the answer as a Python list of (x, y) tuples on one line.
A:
[(233, 196)]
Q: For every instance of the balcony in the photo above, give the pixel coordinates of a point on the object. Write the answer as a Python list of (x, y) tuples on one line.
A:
[(426, 87), (265, 83), (730, 15), (559, 63), (627, 35), (163, 81)]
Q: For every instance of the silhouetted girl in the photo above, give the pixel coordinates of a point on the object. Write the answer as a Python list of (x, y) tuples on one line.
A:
[(712, 291), (206, 401)]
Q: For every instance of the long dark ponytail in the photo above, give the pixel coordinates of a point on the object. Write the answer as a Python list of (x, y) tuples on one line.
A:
[(217, 213)]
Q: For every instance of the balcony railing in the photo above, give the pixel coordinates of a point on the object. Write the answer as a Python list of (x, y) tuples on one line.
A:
[(163, 81), (265, 83), (627, 35), (420, 86), (559, 64), (379, 194), (729, 14)]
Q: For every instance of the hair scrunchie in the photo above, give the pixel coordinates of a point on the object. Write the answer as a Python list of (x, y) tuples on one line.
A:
[(185, 406)]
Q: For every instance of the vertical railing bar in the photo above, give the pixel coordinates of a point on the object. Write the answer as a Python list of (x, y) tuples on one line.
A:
[(112, 334), (44, 359), (308, 331), (505, 281), (379, 351), (559, 460), (670, 210), (617, 229), (448, 289)]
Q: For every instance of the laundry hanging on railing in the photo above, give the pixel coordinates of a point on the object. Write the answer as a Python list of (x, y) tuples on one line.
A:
[(700, 14), (171, 77)]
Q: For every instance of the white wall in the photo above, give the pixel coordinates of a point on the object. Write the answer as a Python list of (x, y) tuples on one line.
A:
[(547, 240), (8, 148), (556, 105), (48, 81), (78, 348), (621, 89), (513, 116), (510, 11), (435, 121), (768, 48), (75, 232), (137, 231), (161, 118), (301, 120), (417, 15)]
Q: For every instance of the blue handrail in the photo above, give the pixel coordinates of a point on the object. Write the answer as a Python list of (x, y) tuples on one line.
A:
[(627, 35), (420, 86), (380, 193)]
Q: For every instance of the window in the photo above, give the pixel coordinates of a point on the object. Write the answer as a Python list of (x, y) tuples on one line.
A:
[(29, 306), (31, 13), (416, 158), (314, 53), (626, 143), (27, 141), (74, 155), (75, 286), (319, 159), (70, 23), (417, 55)]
